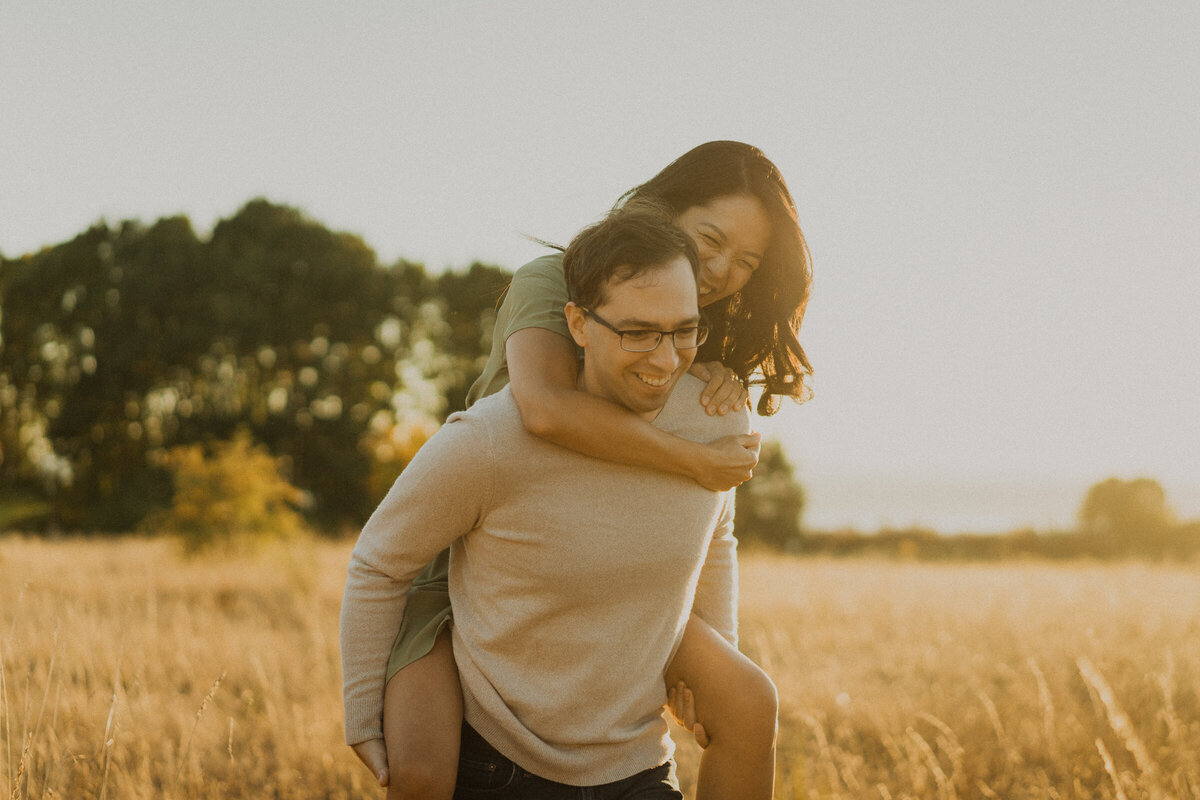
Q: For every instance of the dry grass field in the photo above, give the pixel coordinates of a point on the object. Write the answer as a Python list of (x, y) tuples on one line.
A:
[(129, 672)]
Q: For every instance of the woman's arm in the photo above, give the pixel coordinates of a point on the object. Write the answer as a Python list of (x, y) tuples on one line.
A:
[(542, 372)]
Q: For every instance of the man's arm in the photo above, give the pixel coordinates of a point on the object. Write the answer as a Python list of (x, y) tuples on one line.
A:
[(717, 590), (439, 497)]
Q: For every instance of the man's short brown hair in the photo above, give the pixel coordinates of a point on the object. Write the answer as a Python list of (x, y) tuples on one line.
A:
[(633, 239)]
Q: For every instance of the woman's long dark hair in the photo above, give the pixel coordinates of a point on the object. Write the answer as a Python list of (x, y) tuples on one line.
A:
[(754, 331)]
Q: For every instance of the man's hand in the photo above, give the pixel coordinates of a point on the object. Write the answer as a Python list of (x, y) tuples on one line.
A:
[(682, 705), (729, 462), (724, 392), (373, 753)]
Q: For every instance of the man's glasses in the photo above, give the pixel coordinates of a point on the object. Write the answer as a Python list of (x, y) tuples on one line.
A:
[(639, 341)]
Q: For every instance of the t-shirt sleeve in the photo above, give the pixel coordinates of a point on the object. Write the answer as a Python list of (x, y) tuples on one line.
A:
[(440, 496), (535, 299)]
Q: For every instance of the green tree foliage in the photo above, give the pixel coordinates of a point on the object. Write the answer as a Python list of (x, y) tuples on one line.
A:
[(770, 504), (126, 342)]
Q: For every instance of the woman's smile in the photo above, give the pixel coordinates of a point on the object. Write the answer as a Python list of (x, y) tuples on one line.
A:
[(731, 234)]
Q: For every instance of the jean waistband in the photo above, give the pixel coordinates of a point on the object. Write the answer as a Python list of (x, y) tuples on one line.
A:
[(473, 741)]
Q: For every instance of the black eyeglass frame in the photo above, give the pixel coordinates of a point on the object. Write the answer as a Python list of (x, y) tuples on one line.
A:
[(701, 330)]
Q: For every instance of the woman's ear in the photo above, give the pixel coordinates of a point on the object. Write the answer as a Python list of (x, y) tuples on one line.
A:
[(575, 320)]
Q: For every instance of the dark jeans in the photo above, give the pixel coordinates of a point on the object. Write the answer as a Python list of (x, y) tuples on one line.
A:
[(484, 774)]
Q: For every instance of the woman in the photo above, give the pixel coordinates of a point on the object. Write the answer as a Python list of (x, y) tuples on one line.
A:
[(754, 285)]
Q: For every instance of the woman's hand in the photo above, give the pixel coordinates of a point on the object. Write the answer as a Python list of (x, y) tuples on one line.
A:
[(729, 462), (682, 705), (373, 753), (724, 392)]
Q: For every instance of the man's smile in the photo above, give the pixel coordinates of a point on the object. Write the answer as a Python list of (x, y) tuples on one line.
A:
[(657, 383)]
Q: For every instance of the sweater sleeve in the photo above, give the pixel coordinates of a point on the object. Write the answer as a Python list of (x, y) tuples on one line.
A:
[(717, 590), (439, 497)]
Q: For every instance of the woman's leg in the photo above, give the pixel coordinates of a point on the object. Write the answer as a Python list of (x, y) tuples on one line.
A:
[(422, 720), (738, 706)]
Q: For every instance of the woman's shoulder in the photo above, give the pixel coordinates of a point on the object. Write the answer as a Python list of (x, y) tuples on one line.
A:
[(547, 268), (538, 291), (535, 298)]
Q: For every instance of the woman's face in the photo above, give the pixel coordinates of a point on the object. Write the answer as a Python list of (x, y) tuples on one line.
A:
[(731, 235)]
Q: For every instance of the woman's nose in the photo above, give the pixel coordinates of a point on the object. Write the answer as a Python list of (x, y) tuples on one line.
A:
[(716, 267)]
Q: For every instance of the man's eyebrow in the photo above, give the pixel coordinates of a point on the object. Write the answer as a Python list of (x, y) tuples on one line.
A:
[(643, 325)]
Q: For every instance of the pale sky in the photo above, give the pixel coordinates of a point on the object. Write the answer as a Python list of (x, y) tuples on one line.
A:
[(1002, 199)]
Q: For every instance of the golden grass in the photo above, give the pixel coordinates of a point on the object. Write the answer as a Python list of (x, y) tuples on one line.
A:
[(978, 681), (128, 672)]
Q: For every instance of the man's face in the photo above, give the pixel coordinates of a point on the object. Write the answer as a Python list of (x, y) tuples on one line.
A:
[(662, 299)]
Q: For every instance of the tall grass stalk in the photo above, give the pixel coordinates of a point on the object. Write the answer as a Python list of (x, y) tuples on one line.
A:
[(187, 748)]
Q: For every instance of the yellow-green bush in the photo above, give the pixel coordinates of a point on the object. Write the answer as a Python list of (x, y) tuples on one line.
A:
[(229, 495)]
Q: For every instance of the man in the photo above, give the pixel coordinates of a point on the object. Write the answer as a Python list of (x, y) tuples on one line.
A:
[(571, 578)]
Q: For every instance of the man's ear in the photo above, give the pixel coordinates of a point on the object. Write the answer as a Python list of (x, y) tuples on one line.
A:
[(575, 320)]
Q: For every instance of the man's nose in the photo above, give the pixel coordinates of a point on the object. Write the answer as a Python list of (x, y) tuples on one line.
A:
[(665, 356)]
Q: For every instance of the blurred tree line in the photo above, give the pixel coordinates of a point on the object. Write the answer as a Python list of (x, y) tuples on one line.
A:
[(277, 365), (208, 388), (1117, 518), (128, 341)]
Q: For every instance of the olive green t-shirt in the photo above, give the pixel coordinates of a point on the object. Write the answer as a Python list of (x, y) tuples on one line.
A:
[(535, 299)]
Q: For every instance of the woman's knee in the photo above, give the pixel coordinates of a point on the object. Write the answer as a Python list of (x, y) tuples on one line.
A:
[(759, 701), (744, 717)]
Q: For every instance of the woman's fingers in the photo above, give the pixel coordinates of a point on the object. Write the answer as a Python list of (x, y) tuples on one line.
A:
[(729, 396), (714, 388), (731, 461), (751, 442), (713, 373), (723, 390)]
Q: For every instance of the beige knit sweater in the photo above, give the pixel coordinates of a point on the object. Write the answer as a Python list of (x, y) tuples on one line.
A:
[(571, 580)]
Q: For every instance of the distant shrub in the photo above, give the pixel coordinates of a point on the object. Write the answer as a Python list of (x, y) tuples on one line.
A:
[(1128, 517), (770, 505), (229, 495)]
